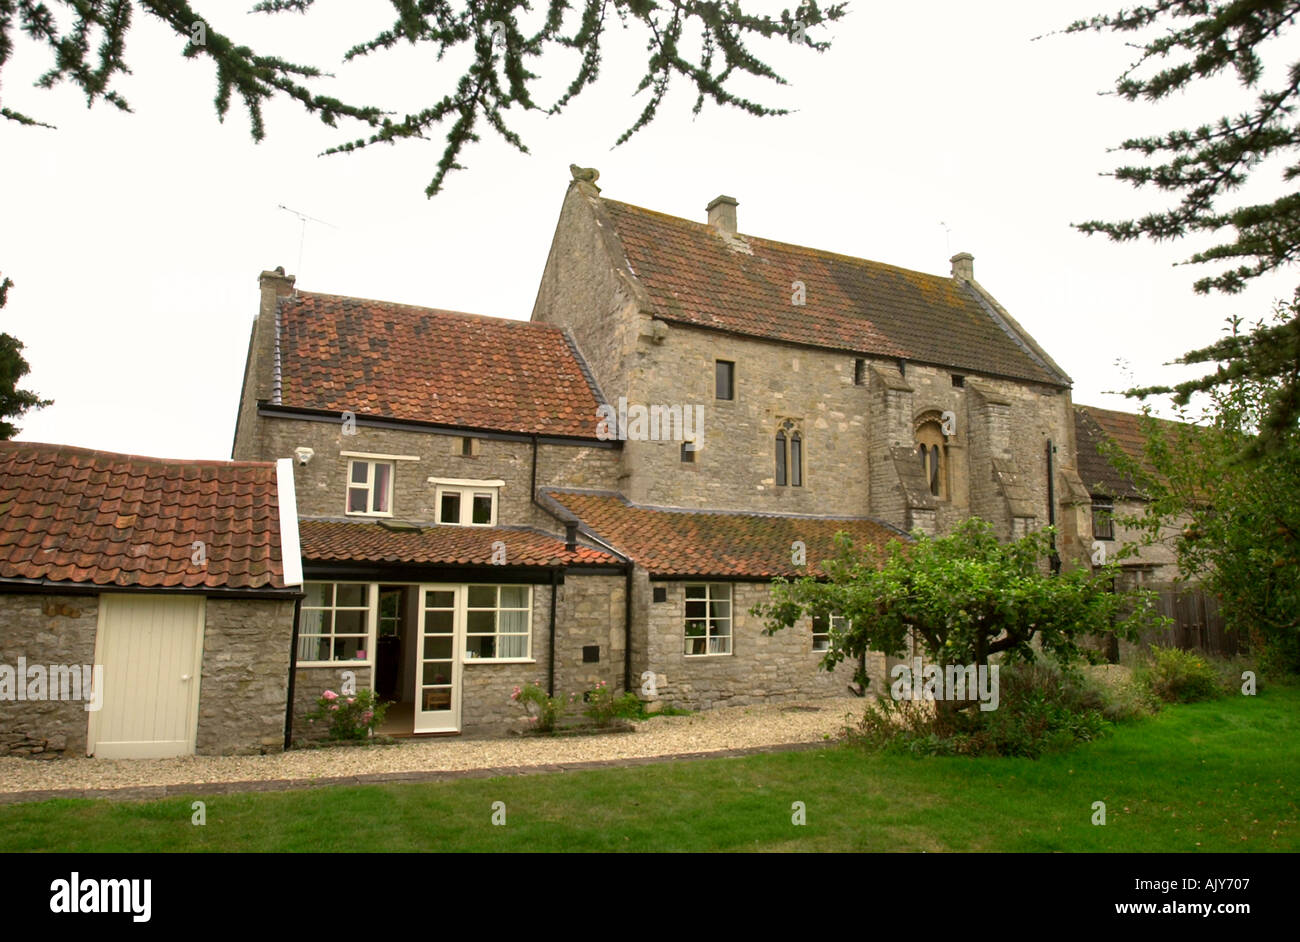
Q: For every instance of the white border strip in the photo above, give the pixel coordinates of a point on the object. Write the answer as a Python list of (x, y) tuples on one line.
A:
[(363, 454), (466, 482), (290, 547)]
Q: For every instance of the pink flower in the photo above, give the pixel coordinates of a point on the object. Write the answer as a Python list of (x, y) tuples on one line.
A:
[(330, 695), (367, 717), (334, 706), (352, 699)]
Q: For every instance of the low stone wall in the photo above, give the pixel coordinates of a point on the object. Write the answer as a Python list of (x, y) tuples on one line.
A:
[(309, 683), (46, 630), (245, 676)]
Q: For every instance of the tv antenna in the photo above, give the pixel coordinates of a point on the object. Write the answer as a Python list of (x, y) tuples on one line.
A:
[(947, 234), (304, 219)]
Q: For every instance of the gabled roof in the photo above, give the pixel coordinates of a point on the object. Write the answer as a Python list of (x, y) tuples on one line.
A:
[(329, 541), (1092, 426), (77, 516), (377, 358), (670, 542), (693, 275)]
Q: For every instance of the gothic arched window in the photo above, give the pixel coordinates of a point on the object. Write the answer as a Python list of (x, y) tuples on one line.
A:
[(789, 455), (932, 452)]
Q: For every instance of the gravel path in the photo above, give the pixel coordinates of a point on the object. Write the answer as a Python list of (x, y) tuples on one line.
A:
[(718, 730)]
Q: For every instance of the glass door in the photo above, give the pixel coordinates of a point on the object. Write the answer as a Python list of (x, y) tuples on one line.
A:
[(437, 672)]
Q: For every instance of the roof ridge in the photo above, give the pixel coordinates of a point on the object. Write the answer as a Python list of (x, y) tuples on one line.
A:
[(788, 245), (100, 453), (500, 318)]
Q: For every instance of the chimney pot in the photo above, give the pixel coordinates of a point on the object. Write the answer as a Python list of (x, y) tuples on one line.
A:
[(963, 266), (722, 215)]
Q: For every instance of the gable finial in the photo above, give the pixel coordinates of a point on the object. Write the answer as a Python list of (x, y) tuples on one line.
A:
[(587, 175)]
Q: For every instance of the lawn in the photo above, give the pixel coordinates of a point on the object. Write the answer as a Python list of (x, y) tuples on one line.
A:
[(1217, 776)]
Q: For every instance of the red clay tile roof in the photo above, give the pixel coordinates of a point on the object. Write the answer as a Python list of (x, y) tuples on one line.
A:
[(375, 358), (713, 543), (1093, 426), (328, 541), (80, 516), (693, 276)]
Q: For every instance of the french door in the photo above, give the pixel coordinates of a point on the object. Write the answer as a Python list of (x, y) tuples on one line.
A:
[(438, 661)]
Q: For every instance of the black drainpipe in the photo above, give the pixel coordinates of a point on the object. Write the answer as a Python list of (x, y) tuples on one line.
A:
[(293, 670), (1054, 559), (550, 668), (627, 629)]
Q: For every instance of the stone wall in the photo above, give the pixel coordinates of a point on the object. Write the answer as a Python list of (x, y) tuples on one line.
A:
[(590, 612), (321, 484), (760, 668), (308, 684), (245, 676), (46, 630)]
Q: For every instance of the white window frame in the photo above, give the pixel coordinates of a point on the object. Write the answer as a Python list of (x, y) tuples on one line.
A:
[(371, 608), (833, 623), (369, 486), (466, 504), (527, 657), (709, 620)]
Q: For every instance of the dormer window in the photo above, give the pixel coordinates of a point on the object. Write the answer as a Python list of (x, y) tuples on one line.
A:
[(370, 488)]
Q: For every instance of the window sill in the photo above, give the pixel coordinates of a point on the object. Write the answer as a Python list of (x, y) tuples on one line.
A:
[(696, 656), (357, 513), (334, 664), (498, 660)]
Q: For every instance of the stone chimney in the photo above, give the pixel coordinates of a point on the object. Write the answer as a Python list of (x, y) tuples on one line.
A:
[(275, 285), (963, 266), (722, 216)]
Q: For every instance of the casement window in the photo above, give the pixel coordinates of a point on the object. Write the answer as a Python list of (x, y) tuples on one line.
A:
[(821, 630), (370, 488), (498, 622), (467, 506), (1103, 519), (708, 619), (931, 449), (334, 622), (789, 455), (724, 373)]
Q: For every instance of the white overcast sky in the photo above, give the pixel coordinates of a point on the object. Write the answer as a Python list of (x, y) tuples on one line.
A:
[(135, 240)]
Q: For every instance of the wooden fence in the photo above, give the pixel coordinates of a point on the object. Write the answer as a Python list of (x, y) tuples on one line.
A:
[(1197, 623)]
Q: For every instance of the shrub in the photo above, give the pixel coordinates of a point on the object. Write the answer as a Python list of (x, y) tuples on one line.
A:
[(602, 706), (544, 711), (1041, 709), (350, 717), (1176, 676)]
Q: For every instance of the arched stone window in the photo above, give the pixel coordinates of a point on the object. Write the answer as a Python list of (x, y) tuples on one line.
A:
[(789, 455), (932, 451)]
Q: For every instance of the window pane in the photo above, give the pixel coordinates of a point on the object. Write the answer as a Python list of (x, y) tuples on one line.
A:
[(720, 608), (513, 623), (439, 598), (360, 472), (317, 593), (348, 649), (482, 596), (512, 646), (357, 497), (780, 459), (352, 594), (350, 623), (696, 591), (695, 645), (450, 508), (437, 649), (514, 596), (721, 627), (482, 512), (695, 608), (481, 646), (934, 470), (383, 485), (725, 379), (313, 648), (695, 628), (481, 622)]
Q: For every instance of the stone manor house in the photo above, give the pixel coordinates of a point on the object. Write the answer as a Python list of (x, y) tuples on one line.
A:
[(600, 493)]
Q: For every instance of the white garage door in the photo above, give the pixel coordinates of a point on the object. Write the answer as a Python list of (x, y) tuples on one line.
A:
[(151, 647)]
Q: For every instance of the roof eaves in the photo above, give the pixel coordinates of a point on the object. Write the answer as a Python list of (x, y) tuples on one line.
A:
[(1019, 336)]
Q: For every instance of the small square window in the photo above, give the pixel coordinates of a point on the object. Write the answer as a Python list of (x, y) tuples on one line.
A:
[(370, 488), (688, 452), (725, 376), (467, 447), (1103, 519), (450, 508), (859, 372), (467, 506), (958, 381), (591, 654), (660, 593)]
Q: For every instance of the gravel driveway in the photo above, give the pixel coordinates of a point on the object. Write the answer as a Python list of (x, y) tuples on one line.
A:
[(718, 730)]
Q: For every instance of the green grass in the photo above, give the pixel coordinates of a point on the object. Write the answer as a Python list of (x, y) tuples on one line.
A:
[(1211, 776)]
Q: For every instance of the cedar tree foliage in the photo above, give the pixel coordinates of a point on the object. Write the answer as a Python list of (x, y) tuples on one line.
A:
[(707, 44), (1183, 45)]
